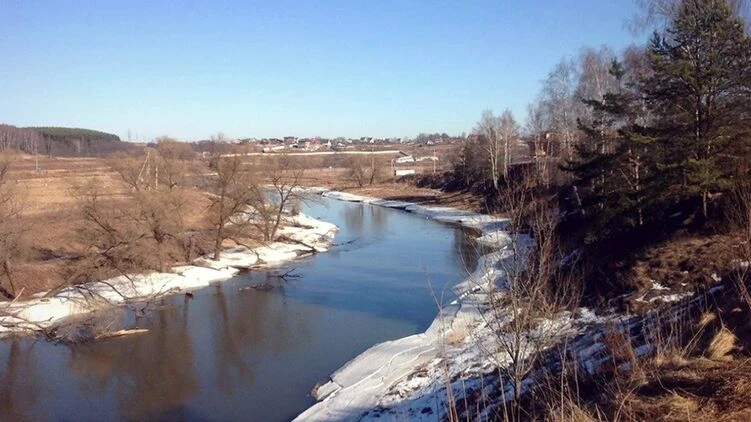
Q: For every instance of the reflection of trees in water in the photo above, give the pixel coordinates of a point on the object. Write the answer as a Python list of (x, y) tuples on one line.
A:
[(354, 216), (19, 385), (149, 372), (154, 374), (234, 333), (466, 251), (253, 326), (379, 219)]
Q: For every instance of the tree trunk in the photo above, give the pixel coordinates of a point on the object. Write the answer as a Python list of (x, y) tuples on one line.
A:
[(8, 270)]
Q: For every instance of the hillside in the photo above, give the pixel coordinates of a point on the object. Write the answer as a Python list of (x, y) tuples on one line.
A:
[(60, 141)]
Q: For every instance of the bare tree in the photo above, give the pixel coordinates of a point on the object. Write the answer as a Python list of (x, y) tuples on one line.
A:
[(508, 131), (470, 162), (15, 138), (144, 230), (740, 217), (595, 79), (283, 178), (111, 242), (219, 137), (136, 172), (535, 285), (489, 130), (173, 161), (233, 190), (561, 105), (357, 170), (537, 127), (172, 149), (12, 230)]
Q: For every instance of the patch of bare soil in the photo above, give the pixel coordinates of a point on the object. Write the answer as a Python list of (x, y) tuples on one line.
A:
[(681, 264)]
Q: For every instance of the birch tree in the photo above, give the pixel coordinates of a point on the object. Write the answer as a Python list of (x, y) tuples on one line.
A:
[(561, 105), (508, 132), (595, 78), (489, 130)]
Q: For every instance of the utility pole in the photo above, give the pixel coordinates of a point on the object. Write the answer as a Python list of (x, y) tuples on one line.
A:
[(36, 157), (372, 159)]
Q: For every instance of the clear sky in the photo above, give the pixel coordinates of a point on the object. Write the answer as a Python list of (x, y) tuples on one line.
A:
[(274, 68)]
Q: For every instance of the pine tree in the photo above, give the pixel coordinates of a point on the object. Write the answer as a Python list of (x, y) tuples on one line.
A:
[(697, 89), (613, 170)]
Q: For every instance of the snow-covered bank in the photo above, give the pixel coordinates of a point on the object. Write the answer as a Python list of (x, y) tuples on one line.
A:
[(458, 358), (301, 235), (412, 367)]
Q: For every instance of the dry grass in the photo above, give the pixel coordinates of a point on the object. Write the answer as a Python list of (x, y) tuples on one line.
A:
[(51, 208), (51, 211), (723, 343), (684, 263), (704, 376)]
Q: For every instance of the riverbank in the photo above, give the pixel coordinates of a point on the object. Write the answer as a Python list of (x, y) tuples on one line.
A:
[(303, 235), (457, 366), (408, 370), (415, 377)]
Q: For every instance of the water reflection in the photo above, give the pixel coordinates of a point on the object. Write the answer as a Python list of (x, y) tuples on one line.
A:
[(379, 218), (465, 251), (147, 372), (19, 384), (232, 335), (234, 351), (354, 221)]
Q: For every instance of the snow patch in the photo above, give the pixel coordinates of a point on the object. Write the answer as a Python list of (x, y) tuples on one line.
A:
[(40, 313), (349, 197)]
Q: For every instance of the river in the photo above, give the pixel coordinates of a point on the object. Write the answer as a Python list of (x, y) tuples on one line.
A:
[(238, 353)]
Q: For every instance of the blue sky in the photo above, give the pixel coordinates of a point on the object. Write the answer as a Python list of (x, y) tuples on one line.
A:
[(275, 68)]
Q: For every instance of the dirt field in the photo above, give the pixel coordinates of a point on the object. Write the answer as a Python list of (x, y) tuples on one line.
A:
[(52, 213), (52, 216)]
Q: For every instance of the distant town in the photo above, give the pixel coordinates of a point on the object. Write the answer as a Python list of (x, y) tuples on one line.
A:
[(341, 142)]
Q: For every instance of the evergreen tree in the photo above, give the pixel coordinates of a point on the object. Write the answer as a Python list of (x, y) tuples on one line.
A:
[(698, 87), (613, 169), (679, 133)]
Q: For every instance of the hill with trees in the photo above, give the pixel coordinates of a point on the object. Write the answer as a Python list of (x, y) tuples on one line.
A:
[(644, 158), (60, 141)]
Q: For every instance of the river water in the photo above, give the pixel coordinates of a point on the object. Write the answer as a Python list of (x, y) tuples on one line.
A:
[(239, 353)]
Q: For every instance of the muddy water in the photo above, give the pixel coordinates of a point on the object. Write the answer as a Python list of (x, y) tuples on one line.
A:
[(233, 352)]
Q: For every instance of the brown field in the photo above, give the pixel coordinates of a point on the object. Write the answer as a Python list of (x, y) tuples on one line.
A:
[(53, 218), (52, 214)]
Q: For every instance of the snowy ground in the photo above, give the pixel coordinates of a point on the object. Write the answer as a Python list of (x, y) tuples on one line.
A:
[(410, 378), (304, 234), (403, 375)]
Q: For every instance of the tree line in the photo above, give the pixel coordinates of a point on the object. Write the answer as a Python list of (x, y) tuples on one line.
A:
[(667, 145), (171, 205), (60, 141), (636, 145)]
